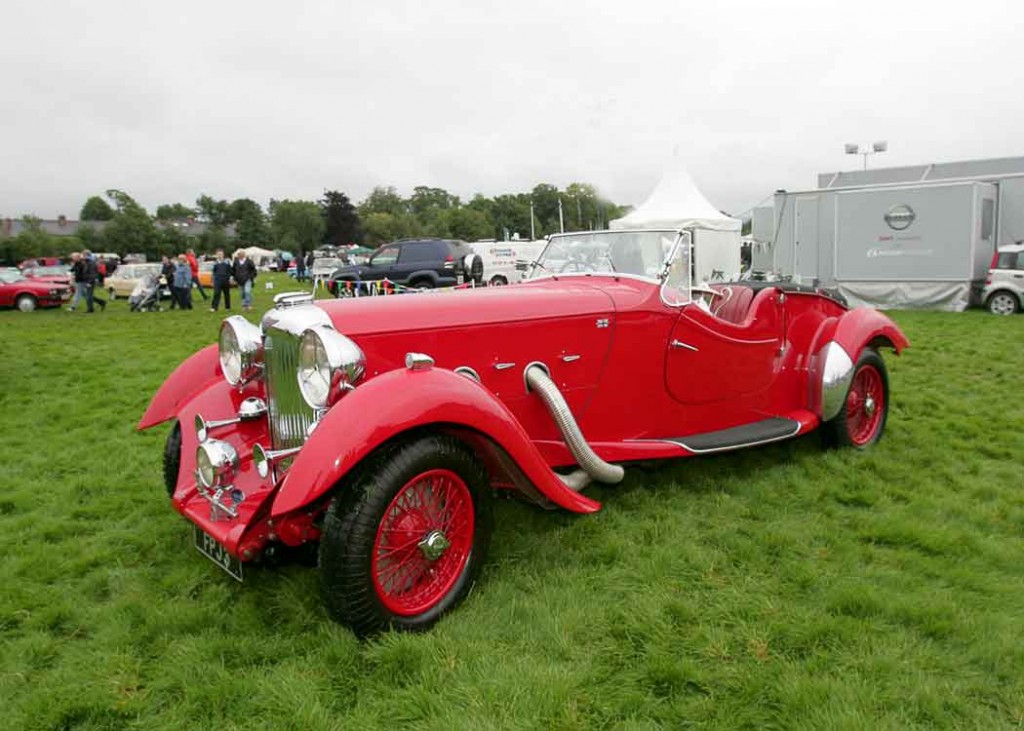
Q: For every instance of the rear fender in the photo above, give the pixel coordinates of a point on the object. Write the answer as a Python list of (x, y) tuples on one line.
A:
[(837, 348), (402, 400), (194, 375)]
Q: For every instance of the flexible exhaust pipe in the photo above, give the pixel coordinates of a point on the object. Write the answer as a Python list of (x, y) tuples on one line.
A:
[(537, 379)]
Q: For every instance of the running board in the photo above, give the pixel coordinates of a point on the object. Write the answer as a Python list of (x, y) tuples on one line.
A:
[(747, 435)]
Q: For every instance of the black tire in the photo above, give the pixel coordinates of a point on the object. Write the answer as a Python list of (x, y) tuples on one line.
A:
[(172, 458), (856, 424), (475, 268), (1003, 302), (351, 551), (498, 281), (421, 284), (25, 303)]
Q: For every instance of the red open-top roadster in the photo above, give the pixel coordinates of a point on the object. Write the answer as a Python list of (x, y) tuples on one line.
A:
[(379, 427)]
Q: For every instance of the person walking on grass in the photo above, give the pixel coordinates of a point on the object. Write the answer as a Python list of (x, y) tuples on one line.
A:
[(167, 270), (99, 270), (300, 267), (193, 264), (84, 273), (244, 272), (222, 270), (183, 283)]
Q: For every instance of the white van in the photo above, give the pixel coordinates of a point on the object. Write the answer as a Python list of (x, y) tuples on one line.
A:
[(502, 257)]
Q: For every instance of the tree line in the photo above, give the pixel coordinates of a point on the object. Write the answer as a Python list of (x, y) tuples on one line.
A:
[(116, 222)]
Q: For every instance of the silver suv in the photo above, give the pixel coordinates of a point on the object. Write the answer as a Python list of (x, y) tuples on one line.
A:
[(1004, 286)]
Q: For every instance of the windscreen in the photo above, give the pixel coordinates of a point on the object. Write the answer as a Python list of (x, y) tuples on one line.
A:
[(639, 253)]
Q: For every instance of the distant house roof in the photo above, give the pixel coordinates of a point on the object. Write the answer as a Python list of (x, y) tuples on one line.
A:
[(66, 227)]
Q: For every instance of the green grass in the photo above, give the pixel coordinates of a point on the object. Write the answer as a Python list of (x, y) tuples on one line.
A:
[(782, 588)]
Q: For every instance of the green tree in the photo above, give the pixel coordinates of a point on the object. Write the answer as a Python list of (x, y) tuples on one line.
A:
[(425, 200), (296, 225), (468, 224), (174, 212), (131, 229), (383, 200), (96, 209), (250, 222), (341, 219), (211, 210)]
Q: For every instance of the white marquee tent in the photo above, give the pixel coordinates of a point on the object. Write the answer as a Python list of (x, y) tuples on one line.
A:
[(677, 203)]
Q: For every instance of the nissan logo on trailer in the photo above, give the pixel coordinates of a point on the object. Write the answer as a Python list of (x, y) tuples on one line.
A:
[(900, 216)]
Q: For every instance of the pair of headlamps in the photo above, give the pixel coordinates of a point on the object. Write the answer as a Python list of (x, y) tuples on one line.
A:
[(328, 362)]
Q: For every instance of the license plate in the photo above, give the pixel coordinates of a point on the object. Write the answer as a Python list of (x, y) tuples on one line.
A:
[(459, 279), (209, 547)]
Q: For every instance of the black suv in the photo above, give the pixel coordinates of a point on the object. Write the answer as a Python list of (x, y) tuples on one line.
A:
[(414, 263)]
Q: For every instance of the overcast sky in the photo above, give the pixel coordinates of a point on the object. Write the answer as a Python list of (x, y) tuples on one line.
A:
[(258, 99)]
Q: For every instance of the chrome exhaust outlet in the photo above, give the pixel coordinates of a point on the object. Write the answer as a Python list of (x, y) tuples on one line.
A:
[(537, 379)]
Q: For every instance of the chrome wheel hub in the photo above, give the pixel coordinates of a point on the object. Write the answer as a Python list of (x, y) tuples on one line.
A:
[(869, 405), (434, 545)]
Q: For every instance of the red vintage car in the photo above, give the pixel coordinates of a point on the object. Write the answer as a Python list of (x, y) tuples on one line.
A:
[(17, 290), (380, 427)]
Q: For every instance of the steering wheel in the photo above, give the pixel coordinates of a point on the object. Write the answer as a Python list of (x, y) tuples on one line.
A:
[(706, 294), (576, 265)]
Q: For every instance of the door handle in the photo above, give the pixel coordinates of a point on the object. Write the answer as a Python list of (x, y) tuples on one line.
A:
[(681, 344)]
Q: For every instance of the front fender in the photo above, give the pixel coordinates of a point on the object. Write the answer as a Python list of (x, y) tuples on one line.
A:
[(192, 376), (838, 347), (396, 402)]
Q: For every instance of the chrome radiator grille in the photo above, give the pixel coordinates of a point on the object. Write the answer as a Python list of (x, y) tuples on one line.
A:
[(289, 413)]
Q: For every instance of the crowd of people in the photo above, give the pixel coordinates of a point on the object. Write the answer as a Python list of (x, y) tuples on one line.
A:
[(182, 275)]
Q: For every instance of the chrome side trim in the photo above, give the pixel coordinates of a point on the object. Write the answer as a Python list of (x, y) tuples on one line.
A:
[(836, 376), (681, 344)]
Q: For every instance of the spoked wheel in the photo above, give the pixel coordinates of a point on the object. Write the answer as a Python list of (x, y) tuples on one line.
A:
[(860, 422), (1002, 303), (404, 540)]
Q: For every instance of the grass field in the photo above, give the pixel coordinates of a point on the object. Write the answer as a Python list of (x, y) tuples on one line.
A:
[(779, 588)]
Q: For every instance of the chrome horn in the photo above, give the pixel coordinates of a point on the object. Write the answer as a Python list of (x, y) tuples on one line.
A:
[(263, 458), (250, 409)]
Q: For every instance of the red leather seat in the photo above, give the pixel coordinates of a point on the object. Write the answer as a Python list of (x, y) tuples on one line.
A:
[(733, 304)]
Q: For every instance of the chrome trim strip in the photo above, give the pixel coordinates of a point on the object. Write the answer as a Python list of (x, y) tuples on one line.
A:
[(504, 366), (570, 358), (468, 373), (836, 376)]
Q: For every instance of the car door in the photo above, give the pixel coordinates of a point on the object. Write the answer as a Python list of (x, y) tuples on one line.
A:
[(382, 263), (414, 257), (710, 359)]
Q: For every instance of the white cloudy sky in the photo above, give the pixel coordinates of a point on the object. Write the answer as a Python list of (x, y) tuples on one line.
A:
[(260, 99)]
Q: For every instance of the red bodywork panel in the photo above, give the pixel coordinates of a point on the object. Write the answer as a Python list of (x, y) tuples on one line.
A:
[(638, 375)]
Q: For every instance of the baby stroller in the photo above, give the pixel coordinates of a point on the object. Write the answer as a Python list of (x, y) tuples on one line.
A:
[(145, 296)]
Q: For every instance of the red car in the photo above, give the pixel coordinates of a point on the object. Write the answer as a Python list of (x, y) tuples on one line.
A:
[(17, 290), (380, 427), (57, 274)]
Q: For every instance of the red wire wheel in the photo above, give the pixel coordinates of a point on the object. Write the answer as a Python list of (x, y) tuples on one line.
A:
[(860, 422), (423, 542), (865, 405), (405, 535)]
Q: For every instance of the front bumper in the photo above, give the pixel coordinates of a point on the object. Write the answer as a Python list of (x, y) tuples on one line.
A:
[(239, 516)]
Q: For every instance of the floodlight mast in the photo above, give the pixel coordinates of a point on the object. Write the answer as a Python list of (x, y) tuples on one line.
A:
[(852, 148)]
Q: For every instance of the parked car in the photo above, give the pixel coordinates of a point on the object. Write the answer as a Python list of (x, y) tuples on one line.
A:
[(17, 290), (42, 261), (124, 279), (58, 274), (507, 262), (1004, 287), (206, 274), (414, 263), (379, 427)]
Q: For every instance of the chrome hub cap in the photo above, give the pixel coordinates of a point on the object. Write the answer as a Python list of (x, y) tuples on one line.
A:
[(434, 545), (869, 406)]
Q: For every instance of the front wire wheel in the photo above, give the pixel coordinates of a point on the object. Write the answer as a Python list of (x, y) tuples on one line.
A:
[(404, 540), (862, 418)]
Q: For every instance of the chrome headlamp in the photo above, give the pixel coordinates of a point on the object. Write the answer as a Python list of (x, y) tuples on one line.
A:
[(216, 463), (328, 363), (241, 350)]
